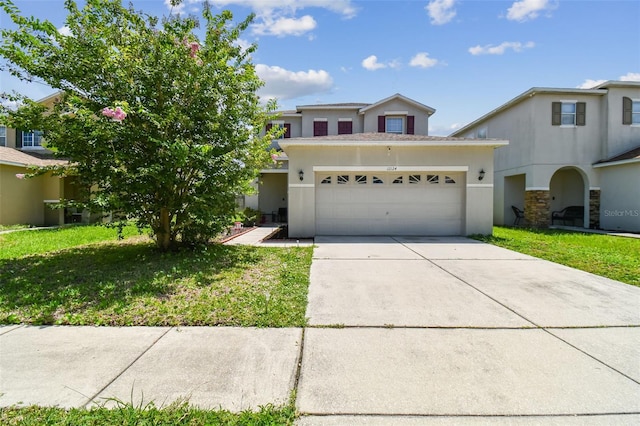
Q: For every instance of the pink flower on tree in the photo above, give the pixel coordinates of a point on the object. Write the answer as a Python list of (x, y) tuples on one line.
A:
[(115, 114), (193, 47), (20, 175), (274, 158)]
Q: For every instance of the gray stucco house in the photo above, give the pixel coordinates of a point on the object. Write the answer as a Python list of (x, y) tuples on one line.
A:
[(567, 147), (372, 169)]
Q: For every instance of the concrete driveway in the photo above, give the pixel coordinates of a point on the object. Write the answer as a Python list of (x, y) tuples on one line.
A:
[(451, 330)]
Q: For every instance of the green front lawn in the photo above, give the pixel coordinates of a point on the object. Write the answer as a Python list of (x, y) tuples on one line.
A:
[(613, 257), (25, 242), (124, 283)]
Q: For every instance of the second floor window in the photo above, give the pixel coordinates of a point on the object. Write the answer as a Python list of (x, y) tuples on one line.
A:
[(568, 113), (286, 126), (3, 136), (320, 128), (630, 111), (394, 125), (31, 139)]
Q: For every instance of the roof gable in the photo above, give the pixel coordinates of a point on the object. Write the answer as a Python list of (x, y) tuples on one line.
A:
[(402, 98)]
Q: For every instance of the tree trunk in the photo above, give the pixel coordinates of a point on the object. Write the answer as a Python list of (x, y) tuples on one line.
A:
[(163, 235)]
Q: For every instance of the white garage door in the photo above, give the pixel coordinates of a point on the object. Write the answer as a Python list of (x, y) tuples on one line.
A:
[(384, 203)]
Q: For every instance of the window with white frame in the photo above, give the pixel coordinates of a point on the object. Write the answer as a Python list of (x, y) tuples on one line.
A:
[(568, 113), (482, 133), (631, 111), (32, 139), (3, 136), (394, 125)]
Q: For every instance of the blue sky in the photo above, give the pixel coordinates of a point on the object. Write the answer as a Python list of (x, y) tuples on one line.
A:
[(463, 58)]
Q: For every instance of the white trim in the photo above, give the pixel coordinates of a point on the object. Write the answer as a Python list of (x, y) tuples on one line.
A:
[(396, 113), (274, 171), (284, 143), (11, 163), (51, 201), (479, 185), (391, 168), (277, 122), (569, 101), (345, 119), (595, 188), (617, 163), (302, 185), (536, 188), (320, 119)]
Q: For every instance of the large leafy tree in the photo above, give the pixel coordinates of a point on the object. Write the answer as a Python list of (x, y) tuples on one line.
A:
[(164, 127)]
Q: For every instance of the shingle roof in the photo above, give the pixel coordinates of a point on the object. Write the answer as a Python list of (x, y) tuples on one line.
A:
[(633, 154), (22, 158), (375, 136), (344, 104)]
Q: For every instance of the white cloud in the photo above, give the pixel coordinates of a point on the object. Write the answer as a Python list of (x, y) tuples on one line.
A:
[(278, 17), (489, 49), (371, 63), (343, 7), (284, 84), (589, 83), (285, 26), (179, 9), (65, 31), (525, 10), (630, 76), (441, 11), (423, 60)]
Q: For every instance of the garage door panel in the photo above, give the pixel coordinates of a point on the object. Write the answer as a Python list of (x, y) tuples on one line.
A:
[(390, 209)]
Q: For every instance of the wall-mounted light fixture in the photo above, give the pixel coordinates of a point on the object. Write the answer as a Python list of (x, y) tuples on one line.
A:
[(301, 174), (481, 175)]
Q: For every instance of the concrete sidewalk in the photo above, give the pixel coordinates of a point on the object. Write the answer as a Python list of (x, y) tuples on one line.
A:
[(402, 331)]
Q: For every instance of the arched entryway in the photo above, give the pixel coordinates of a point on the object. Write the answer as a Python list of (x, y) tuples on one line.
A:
[(568, 188)]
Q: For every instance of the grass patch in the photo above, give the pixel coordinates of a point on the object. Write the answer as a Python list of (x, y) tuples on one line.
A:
[(18, 244), (13, 227), (126, 414), (605, 255), (126, 283)]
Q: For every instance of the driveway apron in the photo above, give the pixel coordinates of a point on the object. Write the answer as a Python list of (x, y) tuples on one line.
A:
[(409, 330)]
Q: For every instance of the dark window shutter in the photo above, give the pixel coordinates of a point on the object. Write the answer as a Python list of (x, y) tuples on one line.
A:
[(581, 113), (411, 124), (287, 130), (381, 123), (627, 110), (18, 138), (345, 127), (556, 113), (269, 126), (320, 128)]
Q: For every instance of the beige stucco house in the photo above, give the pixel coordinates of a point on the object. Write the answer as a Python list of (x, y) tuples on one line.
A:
[(567, 147), (29, 201), (372, 169)]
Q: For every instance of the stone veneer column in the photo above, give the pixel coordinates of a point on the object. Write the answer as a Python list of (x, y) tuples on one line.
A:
[(537, 208), (594, 208)]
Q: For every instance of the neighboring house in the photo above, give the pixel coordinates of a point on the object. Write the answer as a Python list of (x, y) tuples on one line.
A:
[(29, 200), (372, 169), (567, 147)]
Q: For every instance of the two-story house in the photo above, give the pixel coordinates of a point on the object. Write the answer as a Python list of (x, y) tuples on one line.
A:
[(29, 201), (567, 147), (372, 169)]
